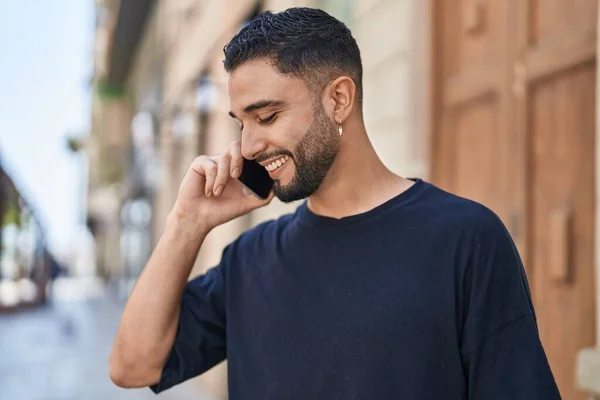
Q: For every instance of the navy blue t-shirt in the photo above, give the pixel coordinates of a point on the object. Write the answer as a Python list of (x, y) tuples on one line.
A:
[(423, 297)]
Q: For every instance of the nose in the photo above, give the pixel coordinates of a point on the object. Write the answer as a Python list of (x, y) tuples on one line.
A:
[(252, 144)]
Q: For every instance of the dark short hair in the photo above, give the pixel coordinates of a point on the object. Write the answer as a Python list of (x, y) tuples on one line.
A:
[(306, 43)]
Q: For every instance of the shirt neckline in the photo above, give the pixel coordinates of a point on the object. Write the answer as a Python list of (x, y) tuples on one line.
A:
[(306, 216)]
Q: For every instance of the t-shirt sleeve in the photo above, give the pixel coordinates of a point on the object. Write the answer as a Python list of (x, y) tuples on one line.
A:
[(200, 340), (502, 354)]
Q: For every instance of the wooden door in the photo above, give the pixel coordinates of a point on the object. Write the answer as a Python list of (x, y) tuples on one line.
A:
[(515, 131), (553, 52), (470, 148)]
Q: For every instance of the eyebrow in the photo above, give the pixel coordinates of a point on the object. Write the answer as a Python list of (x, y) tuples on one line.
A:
[(258, 105)]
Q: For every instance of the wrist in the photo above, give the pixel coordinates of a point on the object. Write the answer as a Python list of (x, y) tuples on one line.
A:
[(184, 221)]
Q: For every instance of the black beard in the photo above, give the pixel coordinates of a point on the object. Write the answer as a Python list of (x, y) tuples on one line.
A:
[(314, 155)]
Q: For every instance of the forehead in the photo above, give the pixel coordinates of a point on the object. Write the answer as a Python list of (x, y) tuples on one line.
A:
[(259, 80)]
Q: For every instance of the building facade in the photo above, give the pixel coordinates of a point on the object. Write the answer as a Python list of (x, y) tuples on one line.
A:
[(25, 262)]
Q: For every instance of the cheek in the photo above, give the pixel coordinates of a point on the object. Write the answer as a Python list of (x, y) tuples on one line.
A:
[(287, 136), (292, 127)]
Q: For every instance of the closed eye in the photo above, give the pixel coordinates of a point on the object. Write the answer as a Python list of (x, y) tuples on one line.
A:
[(268, 120)]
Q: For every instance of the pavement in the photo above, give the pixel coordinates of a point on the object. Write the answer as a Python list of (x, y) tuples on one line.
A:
[(60, 351)]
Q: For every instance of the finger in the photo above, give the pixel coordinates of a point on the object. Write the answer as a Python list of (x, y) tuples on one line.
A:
[(222, 173), (236, 160), (269, 198), (198, 165), (256, 202), (210, 171), (247, 192)]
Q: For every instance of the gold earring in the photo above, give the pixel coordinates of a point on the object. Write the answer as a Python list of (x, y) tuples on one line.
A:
[(340, 129)]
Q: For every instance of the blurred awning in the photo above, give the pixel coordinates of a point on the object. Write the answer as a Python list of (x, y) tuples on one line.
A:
[(129, 29)]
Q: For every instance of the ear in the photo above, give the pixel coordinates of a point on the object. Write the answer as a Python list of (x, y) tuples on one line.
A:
[(339, 98)]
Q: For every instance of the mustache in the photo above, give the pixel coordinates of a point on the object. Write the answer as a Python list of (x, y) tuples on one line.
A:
[(269, 156)]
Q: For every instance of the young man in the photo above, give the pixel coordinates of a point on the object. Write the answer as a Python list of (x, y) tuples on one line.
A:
[(377, 287)]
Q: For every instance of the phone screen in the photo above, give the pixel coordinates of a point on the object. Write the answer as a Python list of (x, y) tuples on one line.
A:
[(256, 178)]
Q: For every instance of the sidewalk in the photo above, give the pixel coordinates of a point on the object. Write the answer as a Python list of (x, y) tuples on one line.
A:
[(60, 352)]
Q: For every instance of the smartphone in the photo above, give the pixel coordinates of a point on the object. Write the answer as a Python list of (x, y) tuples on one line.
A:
[(256, 179)]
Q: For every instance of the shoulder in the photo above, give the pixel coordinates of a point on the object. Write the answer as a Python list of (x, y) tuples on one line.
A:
[(254, 246), (263, 234), (474, 237), (466, 232), (452, 214)]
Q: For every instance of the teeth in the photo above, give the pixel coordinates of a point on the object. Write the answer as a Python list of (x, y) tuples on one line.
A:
[(276, 164)]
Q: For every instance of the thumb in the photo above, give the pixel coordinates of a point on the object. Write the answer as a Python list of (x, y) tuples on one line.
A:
[(256, 202)]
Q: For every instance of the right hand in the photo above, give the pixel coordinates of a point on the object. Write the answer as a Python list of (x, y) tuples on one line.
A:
[(210, 192)]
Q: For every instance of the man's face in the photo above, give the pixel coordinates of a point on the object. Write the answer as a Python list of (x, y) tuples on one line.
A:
[(284, 128)]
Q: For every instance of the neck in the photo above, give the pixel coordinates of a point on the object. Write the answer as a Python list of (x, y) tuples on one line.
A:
[(358, 181)]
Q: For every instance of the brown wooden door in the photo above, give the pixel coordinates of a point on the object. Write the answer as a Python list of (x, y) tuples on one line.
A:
[(514, 112), (554, 64), (470, 149)]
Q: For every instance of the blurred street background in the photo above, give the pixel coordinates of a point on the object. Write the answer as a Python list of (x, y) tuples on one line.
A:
[(104, 103)]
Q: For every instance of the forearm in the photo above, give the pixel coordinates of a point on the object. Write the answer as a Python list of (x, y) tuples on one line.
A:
[(149, 322)]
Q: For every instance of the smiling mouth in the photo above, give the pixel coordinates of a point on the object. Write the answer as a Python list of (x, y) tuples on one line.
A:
[(278, 163)]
